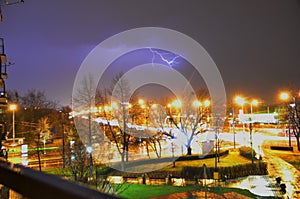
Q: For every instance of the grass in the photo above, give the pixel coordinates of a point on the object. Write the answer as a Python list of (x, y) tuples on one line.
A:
[(290, 157), (232, 159), (140, 191), (147, 191)]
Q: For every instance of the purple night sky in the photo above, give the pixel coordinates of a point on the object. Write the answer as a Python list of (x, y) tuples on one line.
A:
[(255, 44)]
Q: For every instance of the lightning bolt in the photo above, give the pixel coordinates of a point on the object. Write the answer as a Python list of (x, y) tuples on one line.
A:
[(162, 55)]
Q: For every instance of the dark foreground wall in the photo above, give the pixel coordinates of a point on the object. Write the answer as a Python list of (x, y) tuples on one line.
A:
[(35, 185)]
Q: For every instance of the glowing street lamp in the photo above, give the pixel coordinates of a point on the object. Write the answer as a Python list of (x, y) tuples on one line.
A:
[(107, 108), (141, 102), (196, 103), (177, 103), (240, 101), (206, 103), (253, 103), (114, 105), (13, 108), (284, 96)]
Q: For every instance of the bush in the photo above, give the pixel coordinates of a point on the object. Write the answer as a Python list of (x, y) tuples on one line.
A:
[(245, 151), (231, 172), (243, 170)]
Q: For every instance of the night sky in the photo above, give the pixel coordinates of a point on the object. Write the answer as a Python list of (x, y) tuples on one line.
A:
[(254, 43)]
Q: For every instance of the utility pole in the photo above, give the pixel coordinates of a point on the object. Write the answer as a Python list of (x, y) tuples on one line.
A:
[(251, 142), (217, 143), (233, 127)]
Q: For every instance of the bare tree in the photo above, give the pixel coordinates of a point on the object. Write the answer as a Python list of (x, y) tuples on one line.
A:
[(190, 117), (87, 128), (121, 95), (158, 118), (34, 99), (32, 106)]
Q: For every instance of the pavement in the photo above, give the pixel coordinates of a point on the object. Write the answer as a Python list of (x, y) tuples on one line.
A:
[(261, 185), (290, 176), (266, 185)]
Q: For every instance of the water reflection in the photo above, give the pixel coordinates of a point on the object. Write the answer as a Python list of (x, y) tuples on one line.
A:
[(259, 185)]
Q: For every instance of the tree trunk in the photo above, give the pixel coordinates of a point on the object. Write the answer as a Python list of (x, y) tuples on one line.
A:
[(127, 149), (298, 142), (123, 162), (189, 150)]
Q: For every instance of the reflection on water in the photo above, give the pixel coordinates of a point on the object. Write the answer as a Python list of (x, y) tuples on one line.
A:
[(259, 185)]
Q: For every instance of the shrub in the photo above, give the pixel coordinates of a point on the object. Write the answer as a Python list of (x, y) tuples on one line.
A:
[(245, 151)]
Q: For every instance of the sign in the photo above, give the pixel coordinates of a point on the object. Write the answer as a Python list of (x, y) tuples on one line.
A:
[(216, 175), (258, 118), (24, 154)]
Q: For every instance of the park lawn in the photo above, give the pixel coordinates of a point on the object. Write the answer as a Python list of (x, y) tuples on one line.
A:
[(288, 156), (293, 159), (139, 191), (232, 159)]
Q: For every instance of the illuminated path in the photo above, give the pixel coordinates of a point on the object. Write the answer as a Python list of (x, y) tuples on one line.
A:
[(289, 174)]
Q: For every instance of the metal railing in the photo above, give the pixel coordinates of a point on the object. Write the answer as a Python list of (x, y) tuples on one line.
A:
[(36, 185)]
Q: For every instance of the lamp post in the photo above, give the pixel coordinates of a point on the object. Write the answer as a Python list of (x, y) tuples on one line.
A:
[(251, 142), (233, 127), (217, 147), (253, 103), (285, 96), (240, 101), (13, 108)]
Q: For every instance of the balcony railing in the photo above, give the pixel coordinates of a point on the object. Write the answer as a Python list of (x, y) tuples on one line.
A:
[(36, 185)]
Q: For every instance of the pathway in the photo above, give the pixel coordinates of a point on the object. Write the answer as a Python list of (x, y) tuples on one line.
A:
[(288, 173)]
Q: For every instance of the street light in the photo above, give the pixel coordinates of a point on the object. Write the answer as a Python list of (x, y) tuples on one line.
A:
[(13, 108), (253, 103), (251, 141), (177, 103), (206, 103), (196, 103), (141, 102), (285, 96), (240, 101)]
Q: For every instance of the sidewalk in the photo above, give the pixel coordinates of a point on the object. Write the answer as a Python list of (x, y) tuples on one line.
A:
[(289, 174)]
